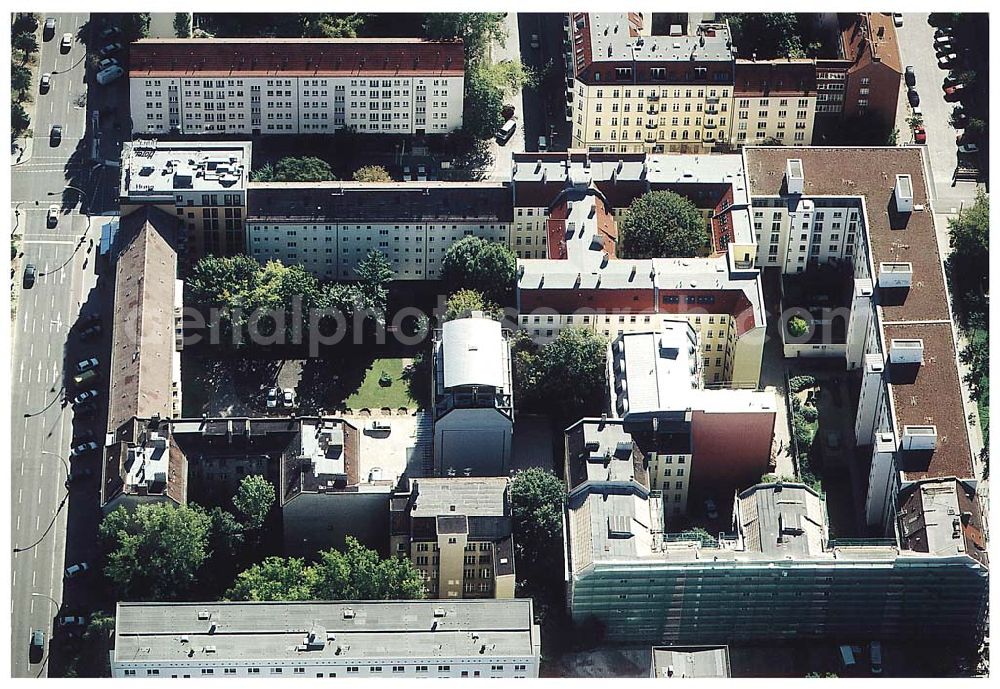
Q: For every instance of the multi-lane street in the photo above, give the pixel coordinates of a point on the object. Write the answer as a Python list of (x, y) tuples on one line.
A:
[(42, 345)]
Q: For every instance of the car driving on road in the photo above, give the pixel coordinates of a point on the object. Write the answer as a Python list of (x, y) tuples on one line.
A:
[(52, 216), (45, 83), (50, 29), (55, 135), (66, 43), (28, 280)]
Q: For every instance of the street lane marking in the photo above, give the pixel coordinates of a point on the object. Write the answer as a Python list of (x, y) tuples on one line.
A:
[(20, 377), (39, 502), (18, 496), (50, 241)]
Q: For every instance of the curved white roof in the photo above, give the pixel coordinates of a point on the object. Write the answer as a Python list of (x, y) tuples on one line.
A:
[(473, 352)]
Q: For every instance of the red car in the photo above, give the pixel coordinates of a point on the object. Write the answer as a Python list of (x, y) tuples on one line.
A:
[(919, 135), (953, 93)]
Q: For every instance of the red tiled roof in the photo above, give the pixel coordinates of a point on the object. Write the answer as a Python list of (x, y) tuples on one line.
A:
[(868, 37), (153, 57), (774, 77)]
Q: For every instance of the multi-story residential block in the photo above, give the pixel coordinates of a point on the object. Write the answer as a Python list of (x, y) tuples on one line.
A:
[(690, 661), (774, 99), (873, 213), (296, 86), (343, 639), (866, 77), (457, 532), (778, 575), (329, 227), (472, 397), (581, 283), (636, 92), (694, 439), (203, 184)]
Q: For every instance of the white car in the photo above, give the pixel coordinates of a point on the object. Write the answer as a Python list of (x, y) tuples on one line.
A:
[(86, 365), (945, 60), (76, 570), (84, 396), (45, 83), (968, 148), (272, 398), (66, 43), (288, 397), (83, 448), (942, 39), (897, 19), (52, 217)]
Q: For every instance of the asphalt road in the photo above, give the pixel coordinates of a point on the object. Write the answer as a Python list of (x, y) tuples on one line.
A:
[(43, 349)]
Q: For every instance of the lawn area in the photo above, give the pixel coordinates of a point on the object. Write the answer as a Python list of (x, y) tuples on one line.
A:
[(373, 395)]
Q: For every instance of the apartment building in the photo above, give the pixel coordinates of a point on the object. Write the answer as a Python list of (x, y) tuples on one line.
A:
[(457, 532), (774, 99), (633, 91), (899, 336), (472, 396), (865, 79), (694, 439), (342, 639), (254, 86), (203, 184), (778, 574), (329, 227)]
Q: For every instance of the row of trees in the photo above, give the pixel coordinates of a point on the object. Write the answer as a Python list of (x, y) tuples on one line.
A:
[(280, 25), (238, 286), (769, 35), (165, 552), (24, 50), (313, 169)]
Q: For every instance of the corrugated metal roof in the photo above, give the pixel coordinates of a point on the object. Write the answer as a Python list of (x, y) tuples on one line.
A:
[(473, 353)]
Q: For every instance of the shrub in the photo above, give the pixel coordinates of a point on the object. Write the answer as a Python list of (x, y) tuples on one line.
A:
[(385, 380), (800, 383), (797, 326), (809, 413)]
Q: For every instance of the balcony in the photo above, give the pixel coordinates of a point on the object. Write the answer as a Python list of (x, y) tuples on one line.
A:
[(653, 97), (711, 110), (710, 125)]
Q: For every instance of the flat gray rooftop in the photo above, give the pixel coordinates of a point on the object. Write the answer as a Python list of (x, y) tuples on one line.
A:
[(473, 497), (691, 661), (150, 632), (153, 168), (610, 40)]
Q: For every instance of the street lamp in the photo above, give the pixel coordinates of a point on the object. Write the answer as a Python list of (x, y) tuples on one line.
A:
[(35, 594), (78, 190), (61, 458)]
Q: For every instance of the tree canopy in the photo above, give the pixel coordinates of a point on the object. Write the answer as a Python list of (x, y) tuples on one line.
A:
[(292, 169), (662, 224), (254, 500), (182, 24), (536, 497), (465, 301), (487, 86), (476, 29), (770, 35), (488, 267), (372, 173), (566, 377), (155, 551), (968, 263), (354, 573)]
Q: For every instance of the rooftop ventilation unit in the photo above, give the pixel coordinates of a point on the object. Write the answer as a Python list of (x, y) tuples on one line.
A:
[(895, 274), (903, 193), (794, 177), (906, 351), (919, 437), (348, 613)]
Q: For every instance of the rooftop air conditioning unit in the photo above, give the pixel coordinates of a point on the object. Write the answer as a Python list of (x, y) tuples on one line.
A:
[(895, 274), (906, 351), (919, 437), (794, 176), (903, 193)]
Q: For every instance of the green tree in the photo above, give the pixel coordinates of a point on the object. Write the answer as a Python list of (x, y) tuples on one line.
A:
[(275, 578), (358, 573), (155, 551), (662, 224), (134, 26), (465, 301), (24, 22), (292, 169), (476, 29), (797, 326), (571, 373), (372, 173), (536, 498), (20, 78), (487, 86), (767, 35), (254, 500), (975, 129), (374, 275), (25, 42), (100, 626), (487, 267), (968, 264), (772, 141), (182, 24), (19, 120), (332, 25)]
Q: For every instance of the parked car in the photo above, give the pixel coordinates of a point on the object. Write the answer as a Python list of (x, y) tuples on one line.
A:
[(110, 49), (55, 135), (875, 655), (942, 39), (85, 395), (87, 364), (947, 60), (109, 31), (711, 510), (288, 397), (272, 398), (91, 320), (897, 19), (919, 135), (506, 131), (543, 144), (911, 76), (88, 408), (960, 119), (968, 148), (36, 646), (49, 30), (407, 176), (76, 570), (944, 48), (91, 332), (83, 436), (28, 280), (106, 76), (107, 62), (83, 448), (942, 31), (71, 621), (953, 93), (85, 378), (66, 43), (45, 83), (913, 97), (379, 426), (534, 41)]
